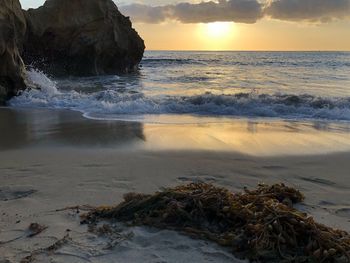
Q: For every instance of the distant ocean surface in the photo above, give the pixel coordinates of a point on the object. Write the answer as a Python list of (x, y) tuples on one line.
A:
[(283, 85)]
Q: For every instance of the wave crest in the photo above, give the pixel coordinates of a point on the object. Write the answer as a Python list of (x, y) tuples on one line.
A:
[(112, 102)]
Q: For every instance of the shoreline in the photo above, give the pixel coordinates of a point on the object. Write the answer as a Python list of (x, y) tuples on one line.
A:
[(61, 159), (42, 128)]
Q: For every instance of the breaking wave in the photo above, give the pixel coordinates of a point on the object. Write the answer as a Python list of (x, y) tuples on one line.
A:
[(111, 102)]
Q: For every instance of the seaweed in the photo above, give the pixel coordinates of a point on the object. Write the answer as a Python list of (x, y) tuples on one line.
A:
[(260, 225)]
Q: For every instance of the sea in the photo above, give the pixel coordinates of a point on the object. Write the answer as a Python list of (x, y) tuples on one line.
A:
[(173, 85)]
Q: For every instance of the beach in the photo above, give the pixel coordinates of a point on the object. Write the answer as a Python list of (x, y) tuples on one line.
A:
[(174, 131), (53, 159)]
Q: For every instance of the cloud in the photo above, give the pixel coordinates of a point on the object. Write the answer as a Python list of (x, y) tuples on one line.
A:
[(308, 10), (146, 14), (240, 11)]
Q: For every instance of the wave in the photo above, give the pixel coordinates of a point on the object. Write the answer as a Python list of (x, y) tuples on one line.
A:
[(170, 62), (260, 63), (111, 102), (243, 59)]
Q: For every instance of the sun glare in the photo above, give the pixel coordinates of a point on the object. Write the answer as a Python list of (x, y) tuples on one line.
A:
[(217, 35), (218, 29)]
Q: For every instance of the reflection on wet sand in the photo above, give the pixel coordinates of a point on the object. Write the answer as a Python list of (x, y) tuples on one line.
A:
[(22, 128), (252, 137), (34, 127), (13, 130)]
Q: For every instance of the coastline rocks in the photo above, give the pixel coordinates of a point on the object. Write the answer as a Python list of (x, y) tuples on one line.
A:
[(62, 38), (12, 31), (81, 38)]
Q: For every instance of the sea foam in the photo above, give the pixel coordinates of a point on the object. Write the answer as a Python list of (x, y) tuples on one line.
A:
[(285, 85), (111, 102)]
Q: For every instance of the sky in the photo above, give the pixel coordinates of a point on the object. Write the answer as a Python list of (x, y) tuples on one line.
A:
[(238, 24)]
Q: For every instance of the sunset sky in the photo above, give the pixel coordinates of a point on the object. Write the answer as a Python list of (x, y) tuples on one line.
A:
[(238, 24)]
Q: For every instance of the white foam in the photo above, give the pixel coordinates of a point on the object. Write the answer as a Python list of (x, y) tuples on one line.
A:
[(39, 80), (112, 104)]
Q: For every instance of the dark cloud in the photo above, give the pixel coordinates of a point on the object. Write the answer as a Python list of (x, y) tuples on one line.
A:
[(308, 10), (241, 11), (145, 13)]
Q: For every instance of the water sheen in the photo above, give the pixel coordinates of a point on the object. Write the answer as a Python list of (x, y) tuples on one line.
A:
[(284, 85)]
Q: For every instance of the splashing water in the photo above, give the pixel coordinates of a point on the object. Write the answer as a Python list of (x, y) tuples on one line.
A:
[(42, 82), (285, 85)]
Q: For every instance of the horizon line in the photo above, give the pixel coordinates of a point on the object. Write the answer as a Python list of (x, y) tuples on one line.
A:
[(242, 50)]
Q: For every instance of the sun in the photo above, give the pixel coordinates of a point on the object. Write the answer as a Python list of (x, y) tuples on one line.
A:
[(217, 35), (218, 29)]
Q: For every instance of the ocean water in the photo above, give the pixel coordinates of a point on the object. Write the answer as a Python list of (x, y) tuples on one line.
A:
[(219, 85)]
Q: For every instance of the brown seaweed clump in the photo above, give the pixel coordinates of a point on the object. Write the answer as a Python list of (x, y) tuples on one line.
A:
[(260, 225)]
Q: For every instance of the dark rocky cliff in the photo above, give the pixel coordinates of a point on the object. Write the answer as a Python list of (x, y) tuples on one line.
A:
[(12, 31), (65, 37), (81, 37)]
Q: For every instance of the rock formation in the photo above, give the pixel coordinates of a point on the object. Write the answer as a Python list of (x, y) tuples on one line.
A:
[(12, 31), (81, 37), (65, 37)]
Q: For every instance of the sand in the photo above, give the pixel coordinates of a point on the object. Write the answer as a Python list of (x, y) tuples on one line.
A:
[(53, 159)]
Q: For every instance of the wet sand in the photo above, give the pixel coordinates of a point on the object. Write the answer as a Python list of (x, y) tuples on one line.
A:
[(53, 159)]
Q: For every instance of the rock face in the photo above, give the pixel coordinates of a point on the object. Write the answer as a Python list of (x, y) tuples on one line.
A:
[(81, 37), (65, 37), (12, 31)]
